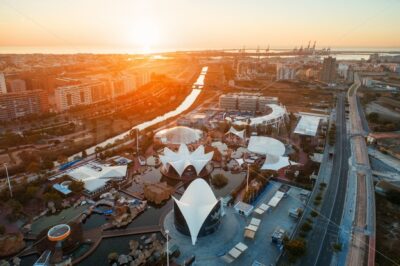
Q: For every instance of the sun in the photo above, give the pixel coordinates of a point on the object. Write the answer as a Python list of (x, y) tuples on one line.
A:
[(146, 35)]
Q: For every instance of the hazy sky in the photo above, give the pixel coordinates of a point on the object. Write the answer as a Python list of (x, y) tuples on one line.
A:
[(189, 24)]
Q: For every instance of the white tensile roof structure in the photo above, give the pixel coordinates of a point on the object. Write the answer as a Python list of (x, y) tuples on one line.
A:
[(275, 163), (235, 132), (179, 135), (184, 158), (266, 145), (308, 125), (274, 151), (277, 114), (95, 175), (195, 205)]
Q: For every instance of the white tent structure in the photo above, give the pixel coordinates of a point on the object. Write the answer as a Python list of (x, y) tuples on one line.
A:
[(195, 205), (308, 125), (179, 135), (275, 163), (266, 145), (95, 175), (237, 133), (274, 151), (184, 158)]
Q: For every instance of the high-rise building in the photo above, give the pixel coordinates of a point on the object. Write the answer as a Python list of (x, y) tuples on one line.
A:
[(285, 72), (228, 101), (80, 94), (246, 102), (19, 104), (3, 87), (329, 70), (17, 85)]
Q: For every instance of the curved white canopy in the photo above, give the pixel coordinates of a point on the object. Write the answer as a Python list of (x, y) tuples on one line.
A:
[(195, 205), (278, 112), (275, 163), (184, 158), (235, 132), (266, 145), (179, 135)]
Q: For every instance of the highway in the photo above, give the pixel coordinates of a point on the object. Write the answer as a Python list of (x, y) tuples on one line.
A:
[(325, 229), (362, 239)]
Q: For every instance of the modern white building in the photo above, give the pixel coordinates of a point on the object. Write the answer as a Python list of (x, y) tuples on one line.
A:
[(95, 176), (200, 210), (183, 159)]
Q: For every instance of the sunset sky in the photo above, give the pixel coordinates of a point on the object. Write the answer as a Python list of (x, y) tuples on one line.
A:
[(187, 24)]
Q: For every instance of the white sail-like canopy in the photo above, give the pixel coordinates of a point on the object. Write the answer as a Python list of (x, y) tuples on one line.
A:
[(235, 132), (184, 158), (195, 205), (273, 162)]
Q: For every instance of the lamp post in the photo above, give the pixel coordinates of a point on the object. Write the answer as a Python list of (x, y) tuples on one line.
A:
[(137, 142), (247, 177), (8, 180), (167, 233)]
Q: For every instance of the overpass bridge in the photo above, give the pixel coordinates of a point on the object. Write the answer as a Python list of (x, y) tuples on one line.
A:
[(361, 246)]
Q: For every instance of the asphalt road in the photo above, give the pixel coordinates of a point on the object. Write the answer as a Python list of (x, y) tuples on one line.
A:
[(325, 229)]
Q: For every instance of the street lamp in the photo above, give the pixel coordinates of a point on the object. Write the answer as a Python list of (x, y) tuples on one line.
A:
[(247, 177), (167, 233), (8, 180)]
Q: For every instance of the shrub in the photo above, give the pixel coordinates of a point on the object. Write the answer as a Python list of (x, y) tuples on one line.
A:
[(219, 180), (337, 247)]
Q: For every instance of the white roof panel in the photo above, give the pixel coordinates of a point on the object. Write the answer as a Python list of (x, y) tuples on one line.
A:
[(266, 145), (307, 125), (95, 175)]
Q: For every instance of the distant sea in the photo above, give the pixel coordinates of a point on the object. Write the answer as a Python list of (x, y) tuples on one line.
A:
[(360, 52)]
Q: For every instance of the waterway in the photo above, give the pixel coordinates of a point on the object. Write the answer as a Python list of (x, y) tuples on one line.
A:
[(186, 104)]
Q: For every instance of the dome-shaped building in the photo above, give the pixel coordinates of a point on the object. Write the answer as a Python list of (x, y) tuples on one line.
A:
[(178, 135)]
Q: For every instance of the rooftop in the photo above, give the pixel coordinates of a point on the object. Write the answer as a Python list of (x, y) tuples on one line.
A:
[(308, 125)]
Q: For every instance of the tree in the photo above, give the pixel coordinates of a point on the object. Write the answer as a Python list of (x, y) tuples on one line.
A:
[(112, 257), (76, 186), (296, 248)]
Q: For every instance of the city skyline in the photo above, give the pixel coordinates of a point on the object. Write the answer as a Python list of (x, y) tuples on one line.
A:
[(145, 26)]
